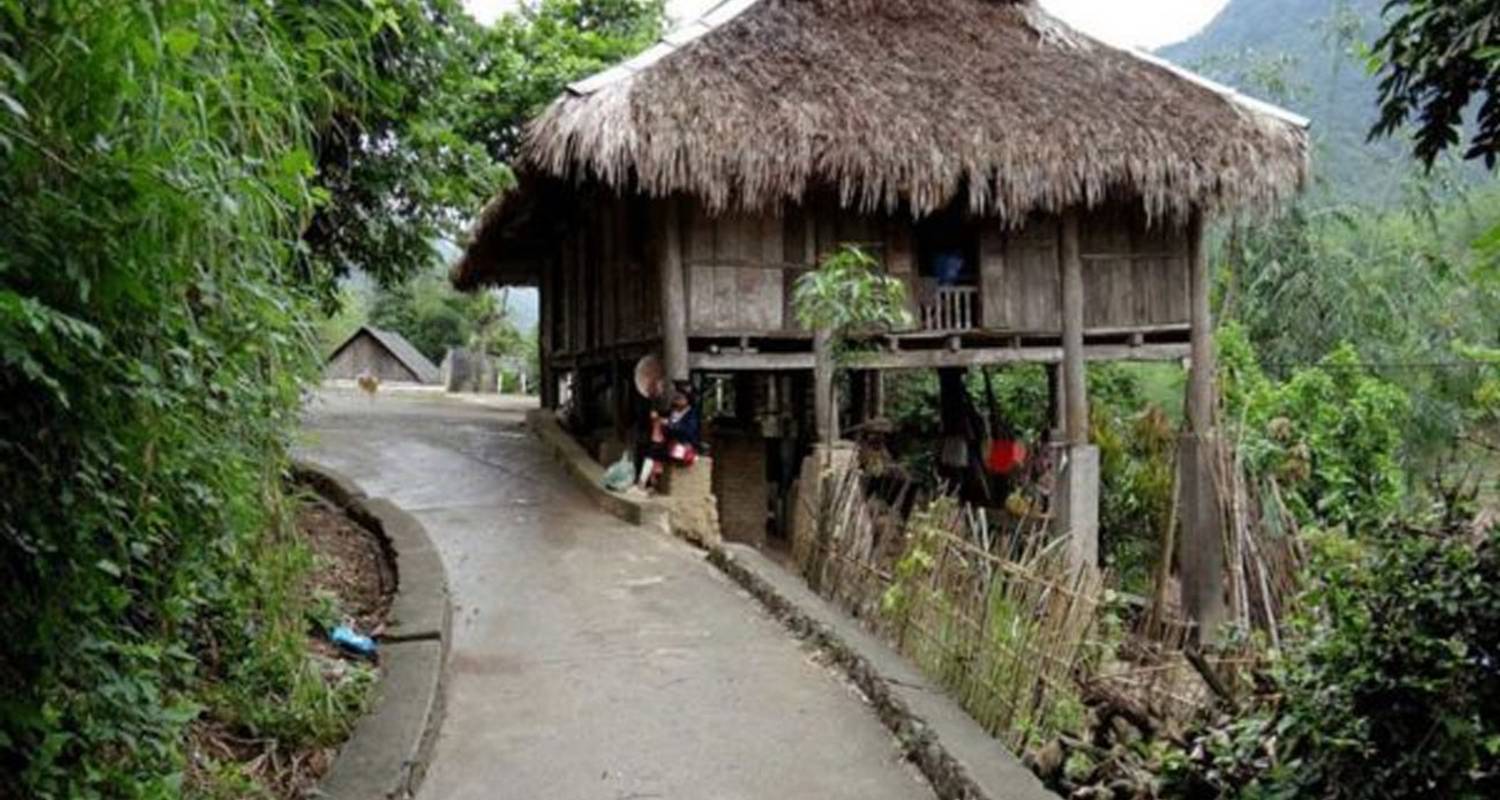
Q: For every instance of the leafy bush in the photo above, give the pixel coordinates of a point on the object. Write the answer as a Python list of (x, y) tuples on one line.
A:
[(1392, 688), (1332, 434), (157, 174), (1137, 474)]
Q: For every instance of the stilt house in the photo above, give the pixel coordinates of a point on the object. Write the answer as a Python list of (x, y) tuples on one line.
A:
[(667, 205)]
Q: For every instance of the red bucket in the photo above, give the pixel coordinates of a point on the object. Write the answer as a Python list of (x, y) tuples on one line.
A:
[(1005, 456)]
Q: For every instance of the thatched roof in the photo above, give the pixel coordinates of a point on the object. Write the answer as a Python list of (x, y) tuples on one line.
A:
[(909, 105)]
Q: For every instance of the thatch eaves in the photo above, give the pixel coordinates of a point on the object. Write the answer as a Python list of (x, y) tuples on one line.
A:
[(911, 105), (914, 101)]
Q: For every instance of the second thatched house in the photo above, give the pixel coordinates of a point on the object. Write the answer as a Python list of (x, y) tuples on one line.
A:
[(1043, 195)]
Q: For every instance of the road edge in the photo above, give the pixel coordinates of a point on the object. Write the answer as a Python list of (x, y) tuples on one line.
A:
[(921, 739), (387, 752)]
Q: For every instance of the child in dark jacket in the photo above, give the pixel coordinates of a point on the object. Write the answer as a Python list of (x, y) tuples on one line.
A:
[(675, 437)]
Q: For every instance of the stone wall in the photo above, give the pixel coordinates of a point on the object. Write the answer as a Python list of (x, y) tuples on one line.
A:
[(689, 492), (740, 485)]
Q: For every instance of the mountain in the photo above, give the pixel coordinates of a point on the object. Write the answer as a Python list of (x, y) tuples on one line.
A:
[(1305, 55)]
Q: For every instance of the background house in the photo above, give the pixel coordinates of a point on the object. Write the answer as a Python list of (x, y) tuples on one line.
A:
[(386, 354)]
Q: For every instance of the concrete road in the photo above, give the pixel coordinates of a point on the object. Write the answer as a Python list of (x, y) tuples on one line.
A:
[(593, 659)]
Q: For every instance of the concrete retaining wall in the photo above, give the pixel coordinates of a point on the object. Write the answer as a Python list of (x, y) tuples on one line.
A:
[(387, 753)]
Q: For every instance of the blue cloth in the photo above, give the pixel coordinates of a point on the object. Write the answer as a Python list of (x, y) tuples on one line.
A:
[(947, 266)]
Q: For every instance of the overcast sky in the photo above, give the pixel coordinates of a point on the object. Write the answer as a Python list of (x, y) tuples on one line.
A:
[(1140, 23)]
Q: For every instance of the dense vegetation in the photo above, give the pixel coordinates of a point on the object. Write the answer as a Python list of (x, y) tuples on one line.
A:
[(158, 173), (184, 183), (512, 70)]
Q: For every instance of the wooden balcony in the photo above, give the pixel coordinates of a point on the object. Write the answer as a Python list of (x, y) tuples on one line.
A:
[(948, 309)]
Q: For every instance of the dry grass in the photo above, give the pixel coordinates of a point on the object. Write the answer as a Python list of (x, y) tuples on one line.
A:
[(910, 104), (998, 617), (992, 609)]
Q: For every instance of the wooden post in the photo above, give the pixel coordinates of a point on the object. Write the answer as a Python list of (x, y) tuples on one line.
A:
[(1201, 377), (1055, 402), (668, 234), (1075, 382), (546, 328), (1202, 545), (1077, 497), (823, 401)]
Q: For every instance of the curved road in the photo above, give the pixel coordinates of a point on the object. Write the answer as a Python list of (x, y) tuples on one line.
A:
[(594, 659)]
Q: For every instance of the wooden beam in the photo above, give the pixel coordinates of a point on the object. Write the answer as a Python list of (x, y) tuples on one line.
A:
[(667, 233), (1201, 549), (1055, 404), (1075, 383), (546, 326), (935, 359)]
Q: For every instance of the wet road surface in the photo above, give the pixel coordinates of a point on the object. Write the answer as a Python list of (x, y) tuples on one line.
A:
[(594, 659)]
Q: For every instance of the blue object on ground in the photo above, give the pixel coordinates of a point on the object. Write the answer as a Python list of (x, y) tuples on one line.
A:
[(347, 639), (620, 475)]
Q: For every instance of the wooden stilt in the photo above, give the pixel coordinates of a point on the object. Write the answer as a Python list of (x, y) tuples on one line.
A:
[(1075, 381), (1202, 545), (1077, 498), (823, 399), (668, 237)]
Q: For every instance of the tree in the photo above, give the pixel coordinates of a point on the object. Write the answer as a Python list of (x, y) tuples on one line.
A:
[(398, 169), (845, 296), (529, 56), (158, 167), (1436, 58)]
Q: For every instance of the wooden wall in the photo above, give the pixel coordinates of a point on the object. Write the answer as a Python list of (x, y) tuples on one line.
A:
[(364, 353), (1134, 275), (739, 270), (602, 290)]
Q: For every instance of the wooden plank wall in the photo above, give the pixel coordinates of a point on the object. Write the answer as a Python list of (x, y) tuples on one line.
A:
[(1134, 276), (735, 265), (740, 270), (1021, 287), (603, 291)]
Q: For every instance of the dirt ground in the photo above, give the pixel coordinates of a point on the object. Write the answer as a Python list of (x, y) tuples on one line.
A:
[(351, 566)]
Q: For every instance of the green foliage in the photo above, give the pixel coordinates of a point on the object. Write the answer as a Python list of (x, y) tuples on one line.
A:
[(1332, 434), (1390, 689), (847, 294), (433, 316), (530, 55), (1434, 59), (1400, 287), (1137, 462), (159, 164), (401, 170)]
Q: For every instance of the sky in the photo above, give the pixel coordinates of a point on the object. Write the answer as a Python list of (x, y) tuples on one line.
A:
[(1131, 23)]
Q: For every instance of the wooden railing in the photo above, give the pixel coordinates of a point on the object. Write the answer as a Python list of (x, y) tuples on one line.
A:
[(950, 308)]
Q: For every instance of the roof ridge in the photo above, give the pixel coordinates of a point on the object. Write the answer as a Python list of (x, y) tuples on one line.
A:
[(1056, 29)]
